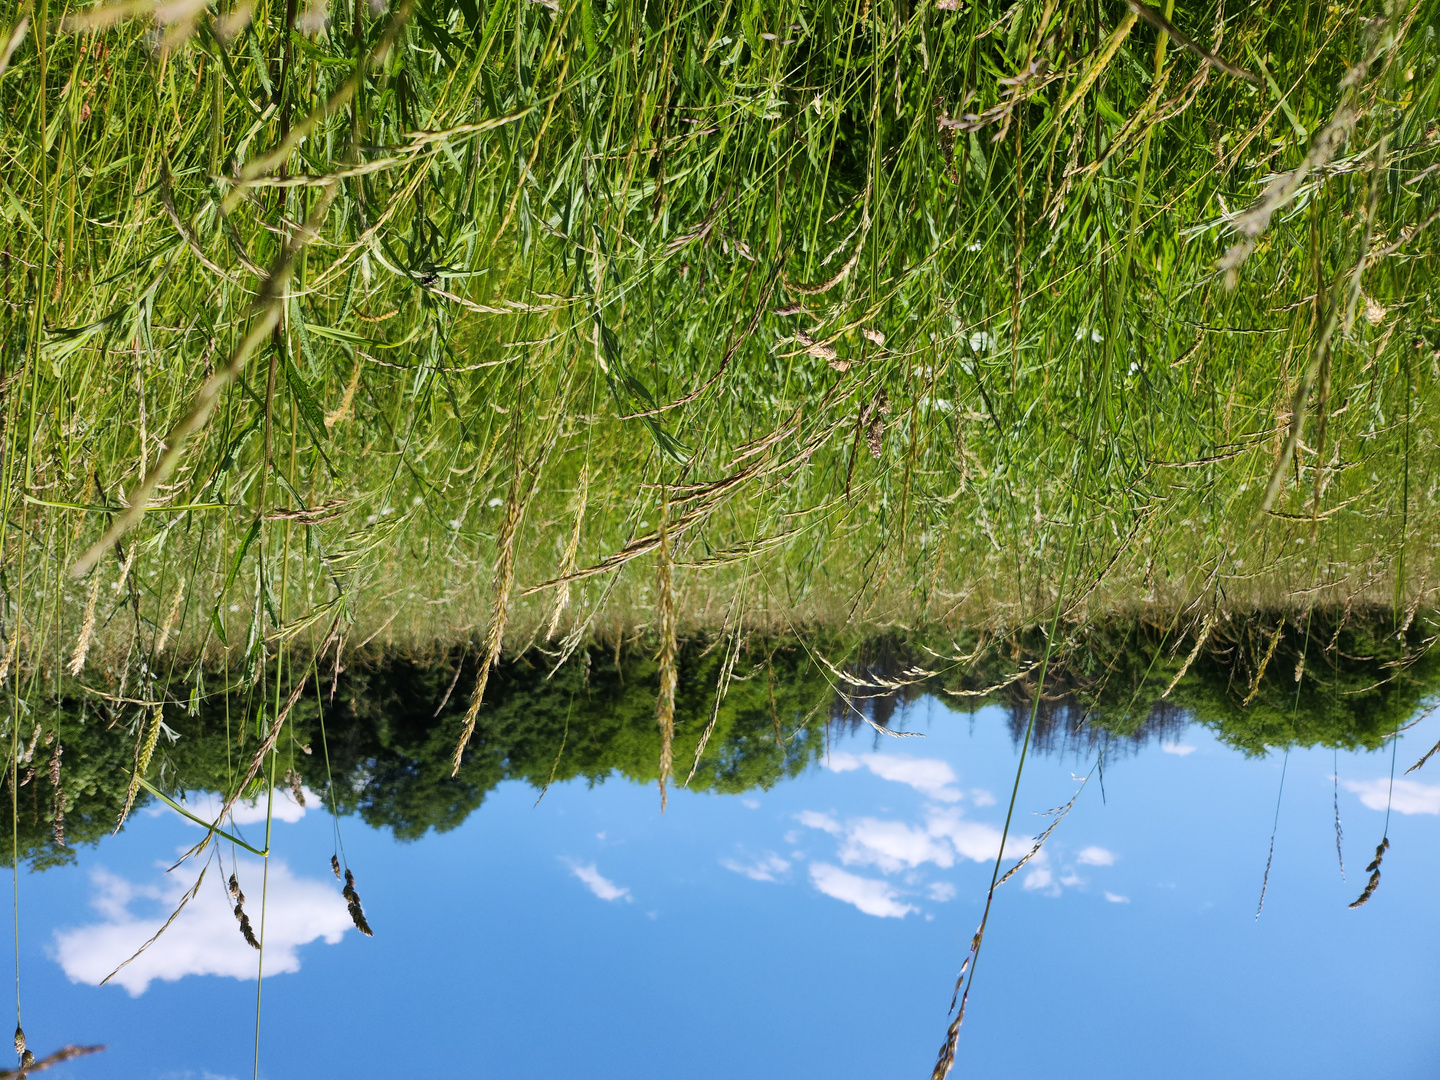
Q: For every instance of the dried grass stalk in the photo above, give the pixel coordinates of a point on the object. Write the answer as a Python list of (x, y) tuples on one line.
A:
[(722, 685), (342, 411), (567, 561), (10, 654), (1060, 815), (1205, 629), (170, 616), (65, 1053), (504, 580), (59, 796), (1264, 663), (87, 628), (665, 701), (272, 736), (821, 351), (1428, 755), (156, 936)]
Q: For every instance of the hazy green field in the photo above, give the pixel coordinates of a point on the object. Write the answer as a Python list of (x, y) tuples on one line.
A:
[(528, 225)]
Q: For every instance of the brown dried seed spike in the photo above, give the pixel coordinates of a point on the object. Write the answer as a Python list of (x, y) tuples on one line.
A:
[(335, 866), (1374, 868), (357, 913), (814, 348), (874, 436), (19, 1039), (246, 930), (297, 792)]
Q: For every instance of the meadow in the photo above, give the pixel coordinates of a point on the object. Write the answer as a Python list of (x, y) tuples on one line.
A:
[(1094, 343)]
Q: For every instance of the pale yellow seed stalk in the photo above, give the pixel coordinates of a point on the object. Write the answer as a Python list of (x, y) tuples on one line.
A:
[(170, 616), (125, 568), (343, 411), (87, 629), (9, 656), (665, 702), (1265, 663), (1199, 643), (147, 751), (567, 561), (495, 634)]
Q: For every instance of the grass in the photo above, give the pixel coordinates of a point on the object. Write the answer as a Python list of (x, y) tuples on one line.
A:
[(560, 326)]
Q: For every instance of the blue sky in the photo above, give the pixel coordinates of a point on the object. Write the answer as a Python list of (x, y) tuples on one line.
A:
[(812, 930)]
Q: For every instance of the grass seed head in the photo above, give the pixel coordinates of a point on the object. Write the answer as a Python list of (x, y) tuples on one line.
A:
[(357, 913)]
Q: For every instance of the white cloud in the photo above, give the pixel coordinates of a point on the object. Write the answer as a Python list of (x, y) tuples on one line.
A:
[(972, 839), (205, 938), (892, 846), (206, 804), (760, 870), (1116, 898), (869, 895), (597, 883), (929, 776), (813, 819), (1178, 749), (1411, 796), (750, 804), (981, 797), (1040, 877), (1095, 856), (941, 891)]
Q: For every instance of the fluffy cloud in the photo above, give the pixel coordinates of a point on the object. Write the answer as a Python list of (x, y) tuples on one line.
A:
[(929, 776), (1116, 898), (598, 883), (869, 895), (206, 804), (813, 819), (974, 840), (1041, 878), (761, 869), (941, 891), (205, 938), (1178, 749), (1411, 796), (892, 846), (1095, 856)]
